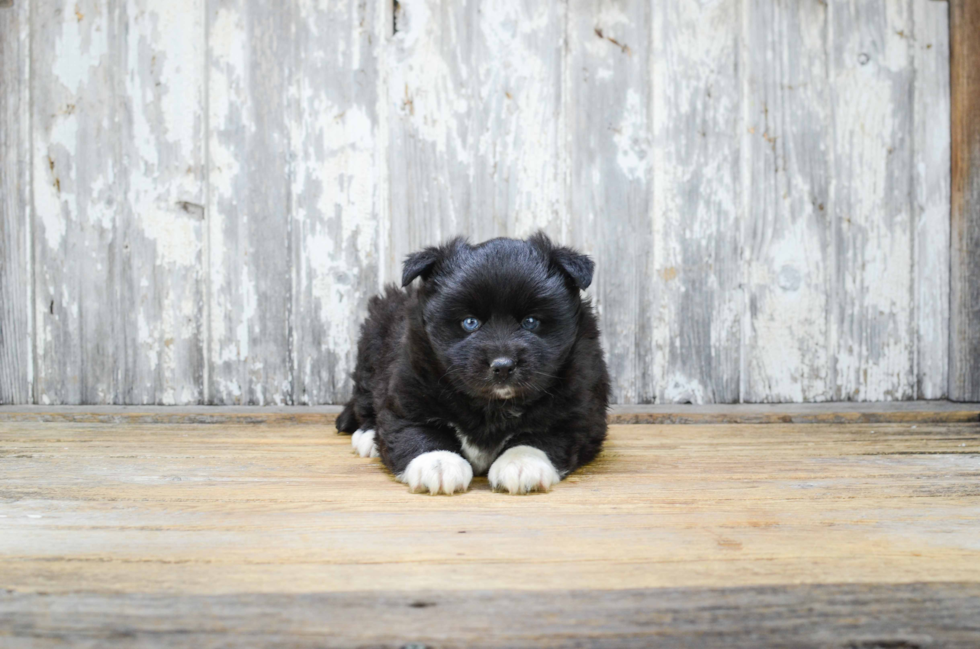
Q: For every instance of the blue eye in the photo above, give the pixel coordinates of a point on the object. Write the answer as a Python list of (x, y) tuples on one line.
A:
[(470, 324), (530, 323)]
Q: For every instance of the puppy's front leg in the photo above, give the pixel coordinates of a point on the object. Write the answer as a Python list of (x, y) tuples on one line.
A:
[(426, 459), (521, 469), (537, 462)]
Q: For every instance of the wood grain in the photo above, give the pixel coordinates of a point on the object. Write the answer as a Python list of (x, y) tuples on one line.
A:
[(118, 189), (214, 188), (250, 301), (910, 412), (128, 534), (964, 367), (872, 76), (841, 615), (609, 111), (698, 308), (931, 218), (336, 199), (16, 268), (187, 509), (475, 122), (785, 182)]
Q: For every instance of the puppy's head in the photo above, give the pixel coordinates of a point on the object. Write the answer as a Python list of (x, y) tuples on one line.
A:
[(500, 316)]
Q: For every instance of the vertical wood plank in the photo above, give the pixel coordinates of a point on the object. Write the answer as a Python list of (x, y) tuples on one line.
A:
[(931, 198), (430, 147), (118, 193), (517, 119), (475, 121), (964, 361), (163, 292), (871, 73), (695, 194), (336, 193), (609, 120), (16, 325), (250, 51), (785, 186)]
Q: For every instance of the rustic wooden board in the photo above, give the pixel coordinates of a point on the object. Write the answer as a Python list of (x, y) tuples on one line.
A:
[(186, 509), (118, 190), (608, 104), (475, 122), (871, 211), (931, 215), (337, 171), (695, 134), (841, 615), (250, 47), (964, 368), (910, 412), (786, 176), (177, 535), (16, 276)]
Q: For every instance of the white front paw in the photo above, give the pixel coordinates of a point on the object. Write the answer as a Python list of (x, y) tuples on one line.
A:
[(363, 444), (438, 472), (522, 469)]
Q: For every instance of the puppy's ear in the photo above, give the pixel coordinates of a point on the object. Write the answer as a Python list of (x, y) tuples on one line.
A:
[(419, 263), (574, 265), (578, 266), (424, 262)]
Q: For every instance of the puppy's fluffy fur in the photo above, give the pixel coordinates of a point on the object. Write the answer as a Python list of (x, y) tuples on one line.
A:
[(523, 396)]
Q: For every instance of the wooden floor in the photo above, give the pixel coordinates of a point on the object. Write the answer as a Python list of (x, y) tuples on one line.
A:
[(231, 534)]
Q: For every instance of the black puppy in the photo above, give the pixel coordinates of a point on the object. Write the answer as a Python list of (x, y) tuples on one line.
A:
[(493, 362)]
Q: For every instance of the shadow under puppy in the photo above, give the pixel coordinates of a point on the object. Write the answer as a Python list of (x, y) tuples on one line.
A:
[(491, 364)]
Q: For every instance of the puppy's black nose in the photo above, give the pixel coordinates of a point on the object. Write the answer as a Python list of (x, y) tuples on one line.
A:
[(502, 367)]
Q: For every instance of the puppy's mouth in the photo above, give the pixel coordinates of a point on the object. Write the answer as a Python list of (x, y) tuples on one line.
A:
[(504, 392)]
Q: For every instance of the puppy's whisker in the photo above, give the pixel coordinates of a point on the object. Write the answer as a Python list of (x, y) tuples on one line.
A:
[(452, 371), (550, 376)]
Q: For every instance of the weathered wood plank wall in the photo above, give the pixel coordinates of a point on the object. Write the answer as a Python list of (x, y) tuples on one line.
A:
[(214, 188)]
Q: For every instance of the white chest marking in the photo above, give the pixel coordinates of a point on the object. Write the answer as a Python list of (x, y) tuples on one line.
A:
[(481, 458)]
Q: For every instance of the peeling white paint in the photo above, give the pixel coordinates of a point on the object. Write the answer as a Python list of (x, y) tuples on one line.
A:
[(176, 234), (697, 311), (931, 230), (422, 84), (753, 230), (632, 138), (248, 313), (80, 48), (53, 185), (873, 341), (146, 340), (333, 133), (683, 389)]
